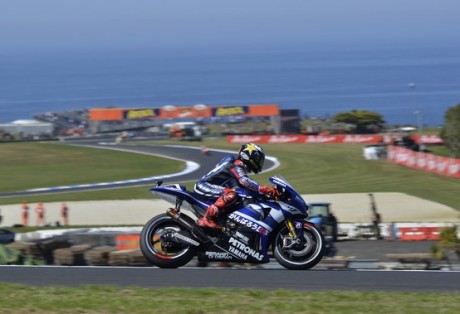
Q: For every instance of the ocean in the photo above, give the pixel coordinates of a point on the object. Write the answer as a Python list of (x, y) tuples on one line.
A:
[(394, 80)]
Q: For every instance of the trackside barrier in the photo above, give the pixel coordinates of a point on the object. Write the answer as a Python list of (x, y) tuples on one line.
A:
[(401, 231), (328, 138), (412, 234), (432, 233), (444, 166), (404, 232), (418, 233), (127, 241)]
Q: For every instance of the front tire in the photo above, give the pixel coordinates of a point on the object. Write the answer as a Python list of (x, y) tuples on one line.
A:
[(303, 255), (160, 250)]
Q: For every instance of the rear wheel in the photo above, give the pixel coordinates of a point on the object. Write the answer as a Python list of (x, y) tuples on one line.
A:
[(160, 247), (299, 253)]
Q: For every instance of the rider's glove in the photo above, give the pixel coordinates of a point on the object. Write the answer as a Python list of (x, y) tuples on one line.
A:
[(270, 192)]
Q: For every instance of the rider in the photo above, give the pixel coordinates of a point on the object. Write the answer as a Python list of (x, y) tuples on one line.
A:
[(230, 173)]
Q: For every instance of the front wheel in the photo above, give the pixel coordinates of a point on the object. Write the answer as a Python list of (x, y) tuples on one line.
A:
[(300, 253), (158, 244)]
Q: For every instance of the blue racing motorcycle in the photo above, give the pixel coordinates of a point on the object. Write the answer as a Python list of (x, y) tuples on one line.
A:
[(251, 228)]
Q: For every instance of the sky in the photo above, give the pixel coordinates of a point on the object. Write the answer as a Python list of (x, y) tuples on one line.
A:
[(36, 25)]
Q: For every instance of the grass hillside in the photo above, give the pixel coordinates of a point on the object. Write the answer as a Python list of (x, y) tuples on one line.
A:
[(311, 168)]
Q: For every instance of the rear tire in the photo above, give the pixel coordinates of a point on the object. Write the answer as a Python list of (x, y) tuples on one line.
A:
[(161, 251), (304, 255)]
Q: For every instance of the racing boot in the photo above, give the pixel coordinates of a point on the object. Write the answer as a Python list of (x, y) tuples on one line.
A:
[(208, 219), (219, 207)]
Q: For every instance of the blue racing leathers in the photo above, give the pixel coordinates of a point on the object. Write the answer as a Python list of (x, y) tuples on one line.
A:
[(229, 173)]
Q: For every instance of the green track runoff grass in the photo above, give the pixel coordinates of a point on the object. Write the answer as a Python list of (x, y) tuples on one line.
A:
[(110, 299), (32, 165), (310, 168)]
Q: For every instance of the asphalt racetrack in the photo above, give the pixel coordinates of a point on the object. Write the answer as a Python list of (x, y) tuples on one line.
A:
[(195, 167), (269, 276), (261, 279)]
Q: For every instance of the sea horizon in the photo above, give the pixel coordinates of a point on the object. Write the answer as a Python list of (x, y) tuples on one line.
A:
[(402, 82)]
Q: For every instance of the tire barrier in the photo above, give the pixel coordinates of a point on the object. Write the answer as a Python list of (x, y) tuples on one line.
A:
[(98, 256), (127, 241), (72, 256), (120, 246), (127, 258)]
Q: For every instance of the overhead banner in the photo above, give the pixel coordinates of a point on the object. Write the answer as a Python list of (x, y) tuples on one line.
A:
[(136, 114), (105, 114), (193, 112), (230, 111), (175, 112)]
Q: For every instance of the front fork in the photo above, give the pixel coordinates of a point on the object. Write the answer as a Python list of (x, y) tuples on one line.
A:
[(292, 238), (291, 228)]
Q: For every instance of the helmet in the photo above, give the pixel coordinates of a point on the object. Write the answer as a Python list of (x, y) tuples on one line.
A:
[(252, 156)]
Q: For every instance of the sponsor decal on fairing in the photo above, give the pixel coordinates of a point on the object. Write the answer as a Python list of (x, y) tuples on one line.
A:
[(250, 223), (242, 237), (218, 255), (289, 208), (242, 250), (186, 239)]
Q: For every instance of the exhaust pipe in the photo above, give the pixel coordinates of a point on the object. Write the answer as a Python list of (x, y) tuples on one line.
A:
[(190, 226)]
